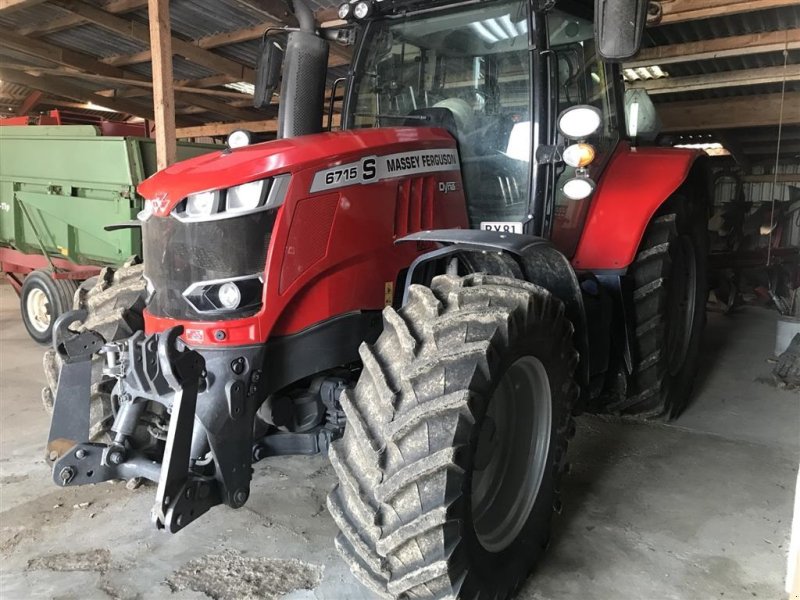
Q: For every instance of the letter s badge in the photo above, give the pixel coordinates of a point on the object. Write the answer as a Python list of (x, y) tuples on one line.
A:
[(368, 169)]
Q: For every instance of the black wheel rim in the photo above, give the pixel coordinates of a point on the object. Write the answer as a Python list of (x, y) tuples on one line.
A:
[(511, 455), (681, 301)]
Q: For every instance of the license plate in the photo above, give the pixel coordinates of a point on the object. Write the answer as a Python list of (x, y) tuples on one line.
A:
[(502, 226)]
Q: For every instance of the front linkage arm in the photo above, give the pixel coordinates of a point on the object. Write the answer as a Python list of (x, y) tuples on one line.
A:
[(154, 368)]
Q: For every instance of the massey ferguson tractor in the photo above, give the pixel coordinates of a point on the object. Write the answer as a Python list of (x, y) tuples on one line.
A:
[(428, 295)]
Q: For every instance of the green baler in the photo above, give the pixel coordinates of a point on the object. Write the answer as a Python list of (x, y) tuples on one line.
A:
[(60, 186)]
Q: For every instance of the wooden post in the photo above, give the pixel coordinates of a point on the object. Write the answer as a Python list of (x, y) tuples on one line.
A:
[(163, 91)]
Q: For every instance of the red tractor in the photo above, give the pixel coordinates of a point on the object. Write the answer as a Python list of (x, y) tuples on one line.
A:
[(428, 295)]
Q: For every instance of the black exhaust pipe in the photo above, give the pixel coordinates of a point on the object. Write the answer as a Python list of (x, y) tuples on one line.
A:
[(305, 68)]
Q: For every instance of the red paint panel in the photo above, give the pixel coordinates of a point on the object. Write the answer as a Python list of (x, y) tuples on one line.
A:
[(308, 236), (356, 232), (227, 168), (635, 184)]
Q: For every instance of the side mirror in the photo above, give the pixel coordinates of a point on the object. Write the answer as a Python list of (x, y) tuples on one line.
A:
[(268, 71), (619, 27)]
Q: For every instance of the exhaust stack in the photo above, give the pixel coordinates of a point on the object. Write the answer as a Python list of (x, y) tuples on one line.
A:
[(305, 68)]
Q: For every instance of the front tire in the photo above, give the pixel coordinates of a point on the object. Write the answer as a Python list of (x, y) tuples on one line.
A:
[(114, 302), (456, 440)]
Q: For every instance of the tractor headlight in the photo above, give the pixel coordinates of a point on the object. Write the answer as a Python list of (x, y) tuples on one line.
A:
[(345, 11), (263, 194), (239, 139), (579, 122), (240, 294), (363, 9), (229, 295), (578, 187), (202, 205), (245, 197)]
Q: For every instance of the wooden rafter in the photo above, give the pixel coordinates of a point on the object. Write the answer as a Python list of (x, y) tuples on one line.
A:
[(9, 5), (275, 9), (215, 129), (116, 7), (84, 62), (730, 113), (139, 32), (737, 45), (724, 79), (67, 90), (127, 82), (339, 55), (680, 11)]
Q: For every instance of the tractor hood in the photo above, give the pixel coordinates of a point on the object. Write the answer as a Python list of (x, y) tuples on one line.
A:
[(228, 168)]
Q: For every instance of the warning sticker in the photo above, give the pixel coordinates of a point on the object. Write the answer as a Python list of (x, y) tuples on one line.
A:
[(377, 168)]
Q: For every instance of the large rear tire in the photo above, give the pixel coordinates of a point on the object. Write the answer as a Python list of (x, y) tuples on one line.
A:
[(456, 440), (671, 290), (115, 302)]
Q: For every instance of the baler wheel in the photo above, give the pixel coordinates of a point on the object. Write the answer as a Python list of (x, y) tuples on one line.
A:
[(671, 290), (456, 439), (115, 301)]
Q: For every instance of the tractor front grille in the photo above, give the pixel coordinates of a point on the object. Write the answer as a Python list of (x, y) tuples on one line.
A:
[(177, 255)]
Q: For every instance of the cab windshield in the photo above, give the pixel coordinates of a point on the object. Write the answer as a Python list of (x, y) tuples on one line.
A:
[(474, 63)]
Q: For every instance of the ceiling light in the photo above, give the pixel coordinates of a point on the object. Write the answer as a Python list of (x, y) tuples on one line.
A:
[(495, 28), (487, 35), (505, 21), (242, 86)]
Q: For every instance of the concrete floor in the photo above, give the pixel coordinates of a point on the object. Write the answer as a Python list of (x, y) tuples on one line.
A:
[(696, 510)]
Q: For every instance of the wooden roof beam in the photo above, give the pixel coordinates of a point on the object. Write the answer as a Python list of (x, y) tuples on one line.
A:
[(140, 32), (736, 45), (214, 129), (339, 54), (724, 79), (66, 90), (9, 5), (729, 113), (680, 11), (116, 7), (84, 62)]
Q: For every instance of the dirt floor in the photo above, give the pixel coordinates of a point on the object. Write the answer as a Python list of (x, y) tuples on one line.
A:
[(695, 510)]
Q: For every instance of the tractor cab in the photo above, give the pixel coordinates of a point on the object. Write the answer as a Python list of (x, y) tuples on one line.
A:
[(472, 70)]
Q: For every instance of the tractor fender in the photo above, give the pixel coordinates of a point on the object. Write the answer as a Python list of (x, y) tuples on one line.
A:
[(527, 257), (633, 187)]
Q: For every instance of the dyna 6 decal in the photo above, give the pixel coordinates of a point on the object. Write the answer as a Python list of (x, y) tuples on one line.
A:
[(377, 168)]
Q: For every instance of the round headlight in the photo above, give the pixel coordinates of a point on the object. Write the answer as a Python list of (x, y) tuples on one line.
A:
[(579, 122), (363, 9), (578, 155), (239, 138), (229, 295), (345, 11), (578, 188), (203, 204)]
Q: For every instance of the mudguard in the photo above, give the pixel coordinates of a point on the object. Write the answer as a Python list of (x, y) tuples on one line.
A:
[(633, 187), (531, 258)]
